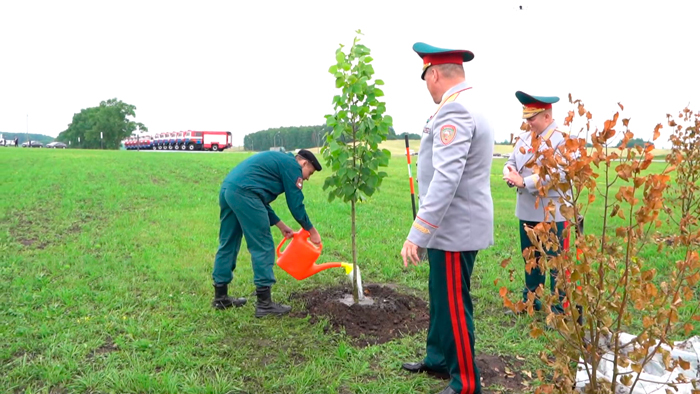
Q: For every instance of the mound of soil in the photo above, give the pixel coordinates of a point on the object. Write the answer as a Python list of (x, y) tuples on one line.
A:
[(390, 316), (502, 372)]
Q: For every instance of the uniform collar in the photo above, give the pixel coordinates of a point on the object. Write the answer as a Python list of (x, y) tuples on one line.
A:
[(454, 89), (551, 126)]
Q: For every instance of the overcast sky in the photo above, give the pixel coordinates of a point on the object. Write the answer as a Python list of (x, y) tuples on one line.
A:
[(245, 66)]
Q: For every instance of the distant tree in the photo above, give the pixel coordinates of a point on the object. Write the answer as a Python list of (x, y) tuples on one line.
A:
[(111, 118), (44, 139), (411, 136), (294, 137), (301, 137), (636, 141), (394, 136)]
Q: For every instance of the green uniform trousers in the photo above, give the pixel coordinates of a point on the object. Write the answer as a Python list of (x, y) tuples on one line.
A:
[(450, 344), (537, 277), (244, 214)]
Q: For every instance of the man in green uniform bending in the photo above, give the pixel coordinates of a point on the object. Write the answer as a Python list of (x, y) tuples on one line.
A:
[(245, 199)]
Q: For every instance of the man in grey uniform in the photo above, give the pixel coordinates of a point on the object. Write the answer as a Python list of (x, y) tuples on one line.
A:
[(455, 217), (537, 111)]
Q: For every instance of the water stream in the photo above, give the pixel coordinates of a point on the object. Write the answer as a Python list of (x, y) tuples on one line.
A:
[(361, 298), (360, 291)]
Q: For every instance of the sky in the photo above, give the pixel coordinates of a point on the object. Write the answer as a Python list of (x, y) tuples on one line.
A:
[(245, 66)]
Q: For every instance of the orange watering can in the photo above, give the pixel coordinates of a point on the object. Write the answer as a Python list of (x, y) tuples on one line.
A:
[(299, 257)]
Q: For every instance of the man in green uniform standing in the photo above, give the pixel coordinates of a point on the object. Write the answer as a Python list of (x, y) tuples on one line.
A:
[(455, 217), (531, 205), (245, 199)]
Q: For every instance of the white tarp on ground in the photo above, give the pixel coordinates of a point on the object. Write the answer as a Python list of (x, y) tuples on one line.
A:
[(654, 377)]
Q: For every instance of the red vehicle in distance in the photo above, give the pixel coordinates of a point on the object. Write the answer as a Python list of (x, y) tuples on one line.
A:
[(215, 141)]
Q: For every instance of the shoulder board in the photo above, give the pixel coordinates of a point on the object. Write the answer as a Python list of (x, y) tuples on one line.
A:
[(549, 134), (450, 99)]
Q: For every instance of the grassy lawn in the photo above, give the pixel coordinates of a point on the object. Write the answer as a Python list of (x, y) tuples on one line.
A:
[(398, 147), (105, 273)]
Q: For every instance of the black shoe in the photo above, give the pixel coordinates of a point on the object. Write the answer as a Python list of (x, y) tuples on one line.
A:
[(448, 390), (265, 306), (223, 301), (415, 367), (421, 367)]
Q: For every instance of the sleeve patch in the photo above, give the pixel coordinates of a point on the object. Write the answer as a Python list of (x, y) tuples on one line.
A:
[(447, 134), (300, 183), (421, 228)]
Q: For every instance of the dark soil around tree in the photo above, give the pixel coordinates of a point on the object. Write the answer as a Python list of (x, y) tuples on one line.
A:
[(393, 315)]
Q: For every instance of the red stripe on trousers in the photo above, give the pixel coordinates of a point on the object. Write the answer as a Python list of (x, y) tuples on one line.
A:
[(455, 319), (463, 322)]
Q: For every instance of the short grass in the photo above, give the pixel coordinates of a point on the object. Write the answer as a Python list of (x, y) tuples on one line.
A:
[(398, 147), (105, 273)]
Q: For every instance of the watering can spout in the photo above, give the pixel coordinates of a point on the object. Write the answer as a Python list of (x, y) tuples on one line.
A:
[(316, 268), (299, 257)]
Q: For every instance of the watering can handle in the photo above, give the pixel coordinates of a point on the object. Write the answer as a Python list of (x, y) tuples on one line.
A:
[(307, 235), (279, 253), (306, 238)]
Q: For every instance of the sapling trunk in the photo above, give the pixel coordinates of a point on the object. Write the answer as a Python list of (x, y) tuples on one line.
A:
[(355, 295)]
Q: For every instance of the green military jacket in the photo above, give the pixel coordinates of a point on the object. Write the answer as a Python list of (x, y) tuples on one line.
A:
[(269, 174)]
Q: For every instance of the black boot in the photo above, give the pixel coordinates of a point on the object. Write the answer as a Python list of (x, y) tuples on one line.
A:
[(265, 306), (223, 301)]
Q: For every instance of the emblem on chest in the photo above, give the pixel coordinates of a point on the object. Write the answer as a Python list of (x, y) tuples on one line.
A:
[(427, 127)]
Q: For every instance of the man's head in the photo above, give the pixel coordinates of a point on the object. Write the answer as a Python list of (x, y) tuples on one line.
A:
[(540, 121), (442, 68), (537, 110), (440, 78), (308, 162)]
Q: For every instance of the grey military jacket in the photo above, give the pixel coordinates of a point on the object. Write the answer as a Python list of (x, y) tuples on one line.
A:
[(526, 196), (454, 165)]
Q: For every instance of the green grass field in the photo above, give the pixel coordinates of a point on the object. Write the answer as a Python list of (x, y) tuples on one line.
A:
[(398, 147), (105, 264)]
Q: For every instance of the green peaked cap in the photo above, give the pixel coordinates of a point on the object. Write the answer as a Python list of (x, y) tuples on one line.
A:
[(433, 55), (533, 105), (526, 99), (423, 49)]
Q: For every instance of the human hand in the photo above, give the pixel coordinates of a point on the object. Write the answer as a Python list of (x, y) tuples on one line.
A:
[(409, 252), (287, 232), (513, 178), (315, 236)]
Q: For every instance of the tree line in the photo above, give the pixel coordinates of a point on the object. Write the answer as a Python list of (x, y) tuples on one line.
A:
[(22, 137), (298, 137), (104, 126), (630, 143)]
